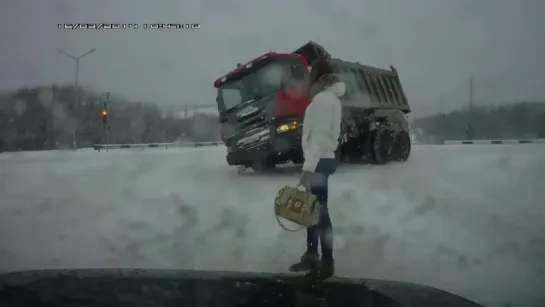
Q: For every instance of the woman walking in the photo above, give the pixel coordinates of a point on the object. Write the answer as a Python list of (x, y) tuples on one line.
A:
[(321, 129)]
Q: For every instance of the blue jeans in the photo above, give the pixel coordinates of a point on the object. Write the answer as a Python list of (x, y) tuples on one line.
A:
[(323, 231)]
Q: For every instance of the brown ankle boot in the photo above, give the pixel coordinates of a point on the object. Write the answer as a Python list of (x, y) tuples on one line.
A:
[(308, 262), (323, 271)]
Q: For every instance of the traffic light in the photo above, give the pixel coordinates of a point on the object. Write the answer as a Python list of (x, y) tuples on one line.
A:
[(104, 116)]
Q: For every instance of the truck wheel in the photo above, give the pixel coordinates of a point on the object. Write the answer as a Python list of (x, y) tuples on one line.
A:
[(403, 146), (382, 146)]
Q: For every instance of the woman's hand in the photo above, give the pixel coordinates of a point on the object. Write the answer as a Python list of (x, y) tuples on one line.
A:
[(305, 179)]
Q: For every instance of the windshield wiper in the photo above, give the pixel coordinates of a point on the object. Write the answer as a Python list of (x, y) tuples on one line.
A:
[(17, 295)]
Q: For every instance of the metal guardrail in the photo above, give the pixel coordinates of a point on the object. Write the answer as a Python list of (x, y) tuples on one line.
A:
[(99, 147), (484, 142)]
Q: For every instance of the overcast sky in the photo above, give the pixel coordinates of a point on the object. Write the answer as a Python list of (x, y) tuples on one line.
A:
[(434, 44)]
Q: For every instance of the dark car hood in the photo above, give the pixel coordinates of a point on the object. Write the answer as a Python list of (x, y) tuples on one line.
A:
[(140, 287)]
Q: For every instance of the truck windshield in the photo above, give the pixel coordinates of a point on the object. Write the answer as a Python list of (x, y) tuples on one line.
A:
[(254, 85), (259, 83)]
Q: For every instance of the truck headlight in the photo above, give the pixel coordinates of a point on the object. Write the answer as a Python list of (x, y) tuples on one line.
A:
[(286, 127)]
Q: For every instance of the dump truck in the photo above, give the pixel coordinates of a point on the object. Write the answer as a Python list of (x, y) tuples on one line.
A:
[(262, 104)]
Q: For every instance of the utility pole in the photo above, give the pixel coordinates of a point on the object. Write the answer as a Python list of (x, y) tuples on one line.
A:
[(193, 116), (470, 129), (442, 124), (471, 102), (76, 102), (194, 135)]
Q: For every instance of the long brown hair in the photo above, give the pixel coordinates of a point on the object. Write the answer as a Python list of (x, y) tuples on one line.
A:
[(320, 68)]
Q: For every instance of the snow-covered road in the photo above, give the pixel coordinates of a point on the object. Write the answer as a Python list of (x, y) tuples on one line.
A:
[(466, 219)]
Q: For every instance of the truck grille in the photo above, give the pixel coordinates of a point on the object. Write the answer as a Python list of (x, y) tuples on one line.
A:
[(256, 114), (254, 137), (252, 119), (251, 124)]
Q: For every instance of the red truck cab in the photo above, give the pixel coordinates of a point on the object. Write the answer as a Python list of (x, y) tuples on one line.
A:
[(261, 105)]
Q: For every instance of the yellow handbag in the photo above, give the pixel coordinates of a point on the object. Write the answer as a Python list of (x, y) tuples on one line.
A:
[(298, 206)]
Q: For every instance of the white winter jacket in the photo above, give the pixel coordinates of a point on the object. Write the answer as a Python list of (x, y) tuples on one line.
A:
[(322, 125)]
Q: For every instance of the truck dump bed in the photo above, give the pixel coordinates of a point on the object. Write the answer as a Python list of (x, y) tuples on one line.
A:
[(370, 87), (366, 86)]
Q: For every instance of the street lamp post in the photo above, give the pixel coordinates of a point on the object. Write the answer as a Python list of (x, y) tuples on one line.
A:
[(76, 87)]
